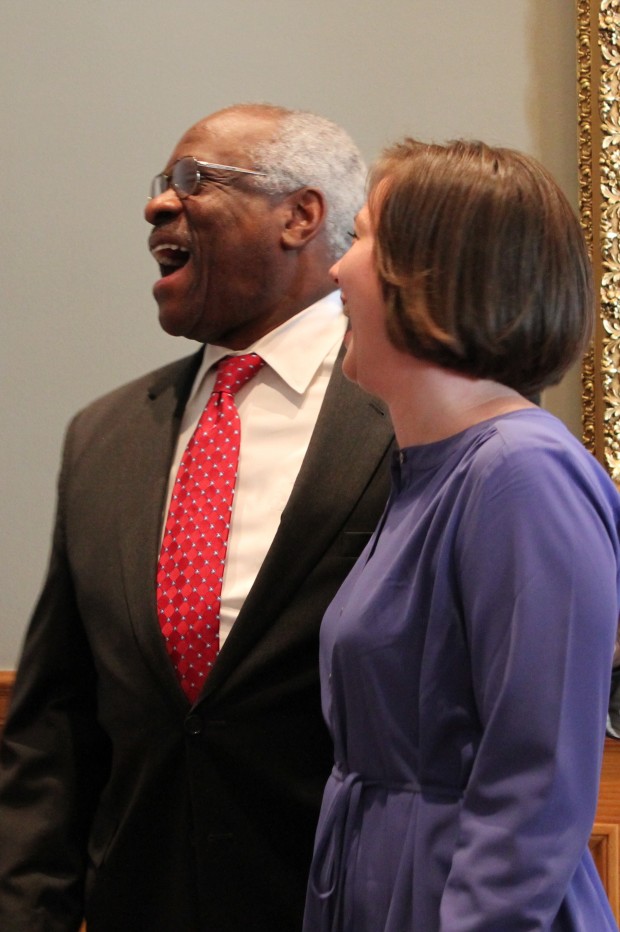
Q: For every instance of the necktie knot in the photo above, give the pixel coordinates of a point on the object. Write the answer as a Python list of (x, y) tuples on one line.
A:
[(234, 371)]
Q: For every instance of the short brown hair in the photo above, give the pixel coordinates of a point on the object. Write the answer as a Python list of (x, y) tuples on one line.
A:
[(482, 261)]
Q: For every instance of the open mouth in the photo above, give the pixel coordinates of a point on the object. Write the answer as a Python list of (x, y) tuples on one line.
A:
[(170, 257)]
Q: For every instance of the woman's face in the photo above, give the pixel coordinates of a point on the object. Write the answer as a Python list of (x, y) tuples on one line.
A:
[(367, 340)]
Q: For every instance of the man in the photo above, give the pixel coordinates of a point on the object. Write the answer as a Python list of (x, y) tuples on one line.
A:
[(124, 796)]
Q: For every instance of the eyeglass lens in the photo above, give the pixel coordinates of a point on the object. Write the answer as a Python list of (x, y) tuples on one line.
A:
[(184, 178)]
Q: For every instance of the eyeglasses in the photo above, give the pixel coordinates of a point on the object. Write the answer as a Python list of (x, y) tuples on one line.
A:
[(188, 174)]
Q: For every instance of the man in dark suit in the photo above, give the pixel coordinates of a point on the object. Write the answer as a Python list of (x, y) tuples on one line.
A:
[(121, 800)]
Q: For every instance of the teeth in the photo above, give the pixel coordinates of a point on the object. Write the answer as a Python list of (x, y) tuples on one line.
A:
[(165, 246)]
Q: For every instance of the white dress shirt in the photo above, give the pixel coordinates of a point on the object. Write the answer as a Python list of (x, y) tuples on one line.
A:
[(278, 409)]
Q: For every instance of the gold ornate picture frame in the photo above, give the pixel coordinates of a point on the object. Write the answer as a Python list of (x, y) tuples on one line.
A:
[(598, 54)]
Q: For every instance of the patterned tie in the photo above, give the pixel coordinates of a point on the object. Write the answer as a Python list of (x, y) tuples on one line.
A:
[(193, 552)]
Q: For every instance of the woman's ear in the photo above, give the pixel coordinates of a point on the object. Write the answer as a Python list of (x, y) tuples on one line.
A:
[(307, 210)]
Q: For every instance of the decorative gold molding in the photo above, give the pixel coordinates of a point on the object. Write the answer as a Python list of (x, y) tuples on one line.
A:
[(584, 104), (598, 74)]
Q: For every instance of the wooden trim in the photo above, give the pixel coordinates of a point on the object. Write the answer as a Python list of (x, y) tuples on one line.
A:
[(605, 848), (6, 684), (605, 838), (609, 795)]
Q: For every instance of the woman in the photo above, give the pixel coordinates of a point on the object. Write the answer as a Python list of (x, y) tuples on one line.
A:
[(466, 661)]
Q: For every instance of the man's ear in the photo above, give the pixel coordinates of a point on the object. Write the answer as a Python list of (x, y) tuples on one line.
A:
[(305, 217)]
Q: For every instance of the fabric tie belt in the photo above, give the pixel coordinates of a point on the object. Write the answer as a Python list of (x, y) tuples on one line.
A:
[(337, 835)]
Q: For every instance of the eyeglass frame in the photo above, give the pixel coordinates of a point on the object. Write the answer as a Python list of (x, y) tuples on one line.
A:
[(201, 175)]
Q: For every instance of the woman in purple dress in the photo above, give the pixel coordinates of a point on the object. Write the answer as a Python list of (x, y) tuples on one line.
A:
[(466, 661)]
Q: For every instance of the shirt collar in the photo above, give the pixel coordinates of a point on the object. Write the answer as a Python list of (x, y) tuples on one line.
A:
[(296, 349)]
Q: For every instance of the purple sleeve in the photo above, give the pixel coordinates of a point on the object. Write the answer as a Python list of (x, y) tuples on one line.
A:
[(537, 558)]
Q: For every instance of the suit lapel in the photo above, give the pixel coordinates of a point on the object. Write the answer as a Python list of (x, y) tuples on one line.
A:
[(148, 455), (349, 441)]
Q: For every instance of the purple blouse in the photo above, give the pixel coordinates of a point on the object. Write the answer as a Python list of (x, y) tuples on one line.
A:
[(465, 668)]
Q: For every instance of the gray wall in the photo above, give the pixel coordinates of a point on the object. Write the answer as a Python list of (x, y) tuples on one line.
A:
[(94, 97)]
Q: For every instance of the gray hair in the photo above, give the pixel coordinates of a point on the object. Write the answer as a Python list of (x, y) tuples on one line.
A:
[(311, 151)]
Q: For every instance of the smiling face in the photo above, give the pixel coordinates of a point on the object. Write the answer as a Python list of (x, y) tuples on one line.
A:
[(222, 262), (368, 346)]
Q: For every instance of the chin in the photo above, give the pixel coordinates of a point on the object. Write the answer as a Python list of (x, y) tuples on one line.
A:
[(176, 321), (170, 324), (176, 326)]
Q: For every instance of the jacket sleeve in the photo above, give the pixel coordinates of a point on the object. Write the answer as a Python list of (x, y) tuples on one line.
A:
[(53, 762)]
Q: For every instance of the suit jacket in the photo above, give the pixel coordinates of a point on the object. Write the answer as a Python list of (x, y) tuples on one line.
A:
[(118, 801)]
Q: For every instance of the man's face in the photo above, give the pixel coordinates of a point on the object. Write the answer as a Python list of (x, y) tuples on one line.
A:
[(219, 250)]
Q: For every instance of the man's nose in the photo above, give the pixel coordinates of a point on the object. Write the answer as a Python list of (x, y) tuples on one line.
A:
[(161, 206)]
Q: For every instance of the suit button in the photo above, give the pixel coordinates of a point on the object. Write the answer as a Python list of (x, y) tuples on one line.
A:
[(193, 725)]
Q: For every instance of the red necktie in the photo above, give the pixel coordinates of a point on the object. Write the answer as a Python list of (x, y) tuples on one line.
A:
[(193, 552)]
